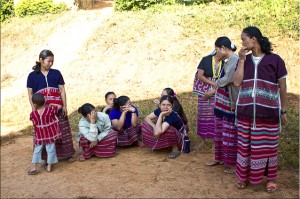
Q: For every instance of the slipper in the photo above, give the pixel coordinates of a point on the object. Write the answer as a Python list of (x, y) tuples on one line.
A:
[(71, 159), (271, 187), (229, 170), (81, 158), (174, 154), (214, 163), (32, 172), (241, 185)]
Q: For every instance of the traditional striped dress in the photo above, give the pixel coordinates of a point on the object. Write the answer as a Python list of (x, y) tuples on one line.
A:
[(206, 117), (171, 137), (49, 86), (258, 114), (225, 141)]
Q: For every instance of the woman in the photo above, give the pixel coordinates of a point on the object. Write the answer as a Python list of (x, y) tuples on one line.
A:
[(50, 83), (261, 107), (168, 130), (96, 136), (225, 141), (109, 100), (208, 72), (124, 119)]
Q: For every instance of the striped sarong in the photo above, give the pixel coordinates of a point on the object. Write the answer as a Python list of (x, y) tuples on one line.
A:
[(105, 147), (225, 142), (257, 151), (128, 136), (64, 148), (170, 137), (206, 118)]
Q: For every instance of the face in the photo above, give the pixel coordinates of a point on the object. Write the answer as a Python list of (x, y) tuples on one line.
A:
[(88, 116), (110, 99), (221, 53), (165, 105), (164, 93), (247, 41), (128, 103), (47, 63)]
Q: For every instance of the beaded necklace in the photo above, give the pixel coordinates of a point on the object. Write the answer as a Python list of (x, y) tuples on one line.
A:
[(216, 71)]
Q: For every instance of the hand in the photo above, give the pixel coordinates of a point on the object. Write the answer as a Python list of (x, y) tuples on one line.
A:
[(157, 135), (242, 53), (93, 144), (131, 109), (208, 94), (107, 107), (156, 102), (65, 112), (93, 116), (283, 119), (166, 113)]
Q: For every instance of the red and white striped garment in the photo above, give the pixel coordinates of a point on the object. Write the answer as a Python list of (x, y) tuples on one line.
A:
[(46, 125)]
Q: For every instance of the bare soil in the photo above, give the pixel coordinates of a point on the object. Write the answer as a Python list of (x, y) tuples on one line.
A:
[(134, 172)]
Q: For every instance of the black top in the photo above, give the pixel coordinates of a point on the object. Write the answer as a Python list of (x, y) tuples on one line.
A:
[(206, 65)]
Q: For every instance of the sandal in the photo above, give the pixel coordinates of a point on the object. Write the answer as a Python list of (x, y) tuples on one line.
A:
[(214, 163), (241, 185), (229, 170), (32, 172), (174, 154), (71, 159), (271, 187), (81, 158)]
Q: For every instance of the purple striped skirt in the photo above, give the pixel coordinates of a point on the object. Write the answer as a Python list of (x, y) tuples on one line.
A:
[(170, 137), (206, 118), (105, 147), (128, 136)]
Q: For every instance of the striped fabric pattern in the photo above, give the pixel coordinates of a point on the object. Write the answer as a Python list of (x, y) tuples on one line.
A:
[(171, 137), (225, 141), (206, 118), (257, 151), (105, 147), (128, 136)]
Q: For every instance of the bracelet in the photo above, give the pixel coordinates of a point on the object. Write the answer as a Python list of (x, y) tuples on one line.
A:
[(282, 112)]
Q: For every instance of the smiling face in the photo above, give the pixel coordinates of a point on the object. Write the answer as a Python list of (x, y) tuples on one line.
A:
[(165, 105), (47, 63), (110, 99)]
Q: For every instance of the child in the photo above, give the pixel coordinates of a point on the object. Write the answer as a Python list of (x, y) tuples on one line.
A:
[(109, 99), (46, 127)]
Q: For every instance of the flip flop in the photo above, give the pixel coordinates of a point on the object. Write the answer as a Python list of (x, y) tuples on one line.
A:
[(32, 172), (214, 163), (229, 170), (241, 185), (271, 187), (174, 154), (81, 158), (71, 159)]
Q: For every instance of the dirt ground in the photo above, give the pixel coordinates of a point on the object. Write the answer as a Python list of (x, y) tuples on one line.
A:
[(134, 172)]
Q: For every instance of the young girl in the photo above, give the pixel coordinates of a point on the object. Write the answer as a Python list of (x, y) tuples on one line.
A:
[(96, 136), (124, 118), (47, 131), (168, 130), (109, 100)]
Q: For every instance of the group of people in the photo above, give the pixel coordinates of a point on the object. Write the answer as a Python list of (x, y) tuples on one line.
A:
[(241, 103)]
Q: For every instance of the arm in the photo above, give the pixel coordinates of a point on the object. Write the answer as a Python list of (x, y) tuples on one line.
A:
[(134, 118), (30, 93), (283, 98), (203, 78), (161, 126), (88, 130), (149, 119), (106, 127), (63, 96), (118, 123), (239, 73), (229, 72)]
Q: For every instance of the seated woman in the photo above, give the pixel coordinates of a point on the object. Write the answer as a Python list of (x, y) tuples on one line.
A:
[(168, 130), (95, 134), (176, 107), (109, 100), (124, 119)]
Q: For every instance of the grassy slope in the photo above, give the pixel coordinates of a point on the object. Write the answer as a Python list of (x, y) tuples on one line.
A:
[(167, 37)]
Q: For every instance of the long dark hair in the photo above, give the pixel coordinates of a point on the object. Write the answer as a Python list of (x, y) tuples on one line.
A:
[(86, 109), (225, 41), (265, 44), (176, 105), (120, 101), (44, 54)]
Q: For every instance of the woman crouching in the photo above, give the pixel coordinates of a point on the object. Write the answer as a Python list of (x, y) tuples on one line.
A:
[(168, 130), (96, 136)]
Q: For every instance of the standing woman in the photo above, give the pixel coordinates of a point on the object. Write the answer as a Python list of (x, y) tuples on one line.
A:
[(96, 136), (208, 72), (124, 119), (50, 83), (225, 141), (261, 107)]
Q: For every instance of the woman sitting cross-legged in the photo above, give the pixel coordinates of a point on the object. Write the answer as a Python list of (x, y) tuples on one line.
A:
[(95, 133), (124, 119), (168, 130)]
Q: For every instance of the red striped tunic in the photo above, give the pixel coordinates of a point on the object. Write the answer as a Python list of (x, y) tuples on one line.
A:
[(46, 125)]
